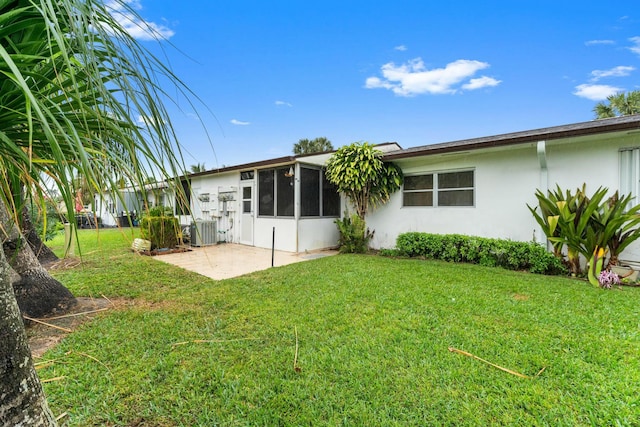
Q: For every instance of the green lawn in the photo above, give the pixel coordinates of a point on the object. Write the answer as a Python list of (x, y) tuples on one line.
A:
[(373, 335)]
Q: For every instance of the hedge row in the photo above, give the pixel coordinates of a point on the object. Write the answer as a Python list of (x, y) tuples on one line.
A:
[(507, 254)]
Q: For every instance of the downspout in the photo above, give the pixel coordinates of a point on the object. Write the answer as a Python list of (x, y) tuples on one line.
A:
[(544, 180), (296, 206)]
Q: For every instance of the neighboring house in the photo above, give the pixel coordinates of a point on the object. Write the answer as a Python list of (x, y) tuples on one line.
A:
[(114, 210), (482, 186)]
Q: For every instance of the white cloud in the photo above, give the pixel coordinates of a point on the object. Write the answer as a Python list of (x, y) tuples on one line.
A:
[(401, 48), (284, 103), (146, 120), (413, 78), (636, 42), (599, 42), (481, 82), (239, 123), (135, 25), (619, 71), (596, 92)]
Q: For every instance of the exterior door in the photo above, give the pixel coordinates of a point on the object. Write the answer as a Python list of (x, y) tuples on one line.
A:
[(247, 214)]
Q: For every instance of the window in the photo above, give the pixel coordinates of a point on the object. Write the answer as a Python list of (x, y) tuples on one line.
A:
[(439, 189), (275, 192), (629, 173), (246, 175), (183, 199), (285, 194), (318, 197), (330, 198), (309, 192), (246, 199), (266, 192)]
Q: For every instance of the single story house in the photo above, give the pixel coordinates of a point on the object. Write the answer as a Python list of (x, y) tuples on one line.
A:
[(478, 186), (482, 186), (286, 202)]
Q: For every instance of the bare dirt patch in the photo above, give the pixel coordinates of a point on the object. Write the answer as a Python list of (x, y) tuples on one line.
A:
[(43, 336), (520, 297)]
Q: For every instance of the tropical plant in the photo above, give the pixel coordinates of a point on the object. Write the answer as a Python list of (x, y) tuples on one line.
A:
[(586, 225), (354, 234), (72, 83), (619, 104), (198, 167), (616, 225), (595, 266), (316, 145), (358, 171), (566, 221)]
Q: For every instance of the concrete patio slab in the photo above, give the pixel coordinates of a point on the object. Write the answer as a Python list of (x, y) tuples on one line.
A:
[(228, 260)]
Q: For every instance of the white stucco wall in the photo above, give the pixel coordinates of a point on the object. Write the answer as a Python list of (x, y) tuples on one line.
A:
[(291, 234), (505, 181), (317, 233), (285, 233), (228, 223)]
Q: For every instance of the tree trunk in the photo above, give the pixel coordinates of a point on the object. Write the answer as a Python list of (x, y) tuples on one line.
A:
[(22, 400), (37, 293), (40, 250)]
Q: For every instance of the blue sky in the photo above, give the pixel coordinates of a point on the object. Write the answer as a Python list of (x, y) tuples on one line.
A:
[(413, 72)]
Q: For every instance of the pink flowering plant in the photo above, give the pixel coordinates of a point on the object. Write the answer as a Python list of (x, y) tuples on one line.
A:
[(608, 279)]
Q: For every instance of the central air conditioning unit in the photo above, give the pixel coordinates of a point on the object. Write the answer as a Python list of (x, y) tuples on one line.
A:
[(204, 233)]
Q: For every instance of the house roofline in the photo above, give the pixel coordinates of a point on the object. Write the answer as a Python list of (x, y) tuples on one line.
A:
[(269, 162), (593, 127), (252, 165)]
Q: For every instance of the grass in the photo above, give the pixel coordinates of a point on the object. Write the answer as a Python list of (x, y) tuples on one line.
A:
[(373, 337)]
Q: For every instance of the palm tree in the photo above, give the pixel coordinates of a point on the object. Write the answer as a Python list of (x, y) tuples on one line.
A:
[(198, 167), (71, 80), (317, 145), (617, 105)]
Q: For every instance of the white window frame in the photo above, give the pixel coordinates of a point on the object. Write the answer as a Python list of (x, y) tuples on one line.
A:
[(629, 180), (436, 190)]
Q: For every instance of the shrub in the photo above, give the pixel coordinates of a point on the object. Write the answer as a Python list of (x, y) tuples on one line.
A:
[(158, 211), (391, 253), (47, 224), (162, 231), (507, 254), (354, 236)]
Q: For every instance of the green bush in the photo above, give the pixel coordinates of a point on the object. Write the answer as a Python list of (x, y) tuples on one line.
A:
[(162, 231), (354, 236), (507, 254), (47, 224), (159, 211)]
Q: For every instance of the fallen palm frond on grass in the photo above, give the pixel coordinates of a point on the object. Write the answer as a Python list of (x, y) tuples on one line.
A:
[(61, 416), (295, 356), (473, 356), (49, 380), (88, 356), (176, 344), (44, 364), (47, 324), (65, 316)]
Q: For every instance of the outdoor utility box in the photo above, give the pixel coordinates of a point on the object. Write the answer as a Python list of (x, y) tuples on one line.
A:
[(203, 233)]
